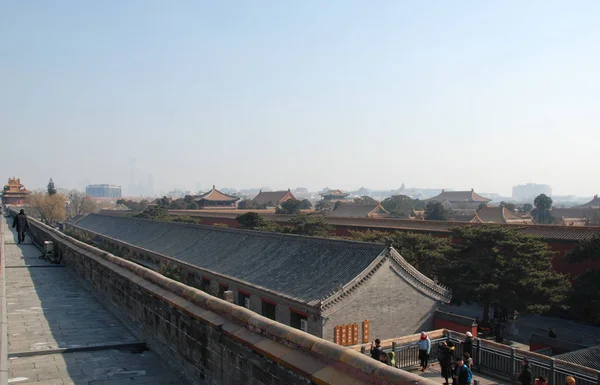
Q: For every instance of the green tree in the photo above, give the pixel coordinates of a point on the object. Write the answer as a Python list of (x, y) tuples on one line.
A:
[(324, 205), (306, 224), (159, 213), (250, 220), (305, 204), (401, 205), (435, 211), (426, 253), (509, 206), (588, 249), (365, 200), (495, 265), (541, 213), (526, 208), (291, 206), (50, 188)]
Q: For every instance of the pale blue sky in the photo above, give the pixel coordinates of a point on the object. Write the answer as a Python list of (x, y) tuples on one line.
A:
[(454, 94)]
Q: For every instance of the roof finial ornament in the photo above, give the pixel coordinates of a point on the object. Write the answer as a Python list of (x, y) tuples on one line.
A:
[(213, 187)]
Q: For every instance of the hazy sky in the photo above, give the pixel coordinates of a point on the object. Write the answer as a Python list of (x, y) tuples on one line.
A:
[(454, 94)]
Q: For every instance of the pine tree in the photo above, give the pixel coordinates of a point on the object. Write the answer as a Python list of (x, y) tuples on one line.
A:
[(51, 189), (495, 265)]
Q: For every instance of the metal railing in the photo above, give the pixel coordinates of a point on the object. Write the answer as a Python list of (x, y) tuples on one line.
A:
[(498, 360)]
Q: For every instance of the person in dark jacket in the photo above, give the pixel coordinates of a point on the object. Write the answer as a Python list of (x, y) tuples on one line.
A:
[(525, 376), (376, 350), (20, 222), (446, 358), (468, 344), (462, 374)]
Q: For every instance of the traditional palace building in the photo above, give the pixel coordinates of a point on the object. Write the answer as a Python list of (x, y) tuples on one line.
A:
[(326, 287), (214, 199), (273, 198), (459, 200), (355, 210), (334, 195), (14, 192), (500, 214)]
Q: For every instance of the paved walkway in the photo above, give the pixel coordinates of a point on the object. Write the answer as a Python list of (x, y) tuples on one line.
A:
[(59, 334), (433, 373)]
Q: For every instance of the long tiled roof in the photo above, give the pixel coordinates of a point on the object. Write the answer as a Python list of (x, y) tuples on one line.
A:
[(575, 212), (306, 269), (499, 215), (216, 196), (594, 203), (334, 193), (589, 357), (458, 196), (274, 197), (354, 210)]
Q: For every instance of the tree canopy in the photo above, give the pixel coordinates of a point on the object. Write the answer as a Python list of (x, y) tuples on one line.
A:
[(365, 200), (291, 206), (541, 213), (79, 203), (311, 225), (254, 221), (435, 211), (401, 205), (426, 253), (526, 208), (50, 208), (495, 265), (50, 188), (586, 249)]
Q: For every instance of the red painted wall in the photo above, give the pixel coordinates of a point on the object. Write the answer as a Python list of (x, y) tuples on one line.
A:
[(445, 324)]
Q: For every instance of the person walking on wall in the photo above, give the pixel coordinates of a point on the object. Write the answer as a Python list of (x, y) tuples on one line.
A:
[(424, 348), (20, 222)]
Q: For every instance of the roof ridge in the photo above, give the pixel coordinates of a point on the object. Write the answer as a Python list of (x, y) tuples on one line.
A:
[(419, 280)]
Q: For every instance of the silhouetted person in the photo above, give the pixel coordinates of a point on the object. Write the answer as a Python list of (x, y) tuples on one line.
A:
[(525, 377), (376, 349), (21, 224)]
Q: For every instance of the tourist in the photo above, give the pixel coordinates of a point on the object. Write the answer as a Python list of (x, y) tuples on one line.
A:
[(384, 358), (20, 222), (376, 349), (551, 333), (525, 375), (570, 380), (446, 355), (468, 360), (424, 348), (392, 359), (462, 373), (541, 380), (468, 344)]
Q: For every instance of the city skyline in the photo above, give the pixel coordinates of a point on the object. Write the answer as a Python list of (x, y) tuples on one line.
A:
[(482, 95)]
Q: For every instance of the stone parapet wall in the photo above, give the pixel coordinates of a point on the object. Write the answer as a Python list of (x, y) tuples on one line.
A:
[(213, 341)]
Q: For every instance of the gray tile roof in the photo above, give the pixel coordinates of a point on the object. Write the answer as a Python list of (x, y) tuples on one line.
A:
[(354, 210), (273, 197), (304, 268), (589, 357)]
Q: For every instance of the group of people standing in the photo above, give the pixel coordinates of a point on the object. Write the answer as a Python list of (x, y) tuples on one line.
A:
[(457, 368), (378, 354)]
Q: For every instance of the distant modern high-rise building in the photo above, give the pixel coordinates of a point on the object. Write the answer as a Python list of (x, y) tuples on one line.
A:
[(530, 191), (103, 191)]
